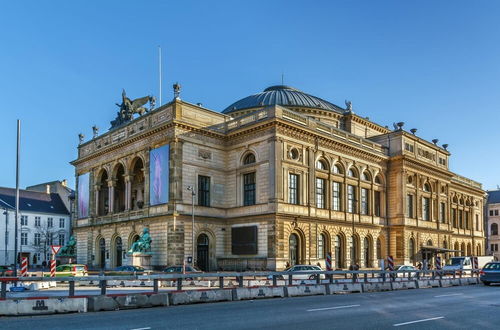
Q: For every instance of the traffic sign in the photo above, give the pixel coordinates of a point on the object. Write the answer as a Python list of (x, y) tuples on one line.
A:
[(55, 248)]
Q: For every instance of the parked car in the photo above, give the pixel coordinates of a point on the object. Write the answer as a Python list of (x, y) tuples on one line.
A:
[(305, 269), (490, 273), (70, 270), (6, 270), (404, 269), (182, 270), (127, 270)]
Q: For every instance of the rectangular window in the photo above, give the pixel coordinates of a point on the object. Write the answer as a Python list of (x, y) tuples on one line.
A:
[(491, 212), (24, 238), (426, 208), (244, 240), (337, 196), (50, 222), (442, 212), (293, 189), (377, 203), (351, 199), (364, 201), (38, 221), (409, 206), (50, 239), (24, 220), (61, 239), (454, 217), (466, 220), (477, 222), (61, 222), (320, 193), (37, 239), (460, 219), (496, 212), (203, 190), (249, 189)]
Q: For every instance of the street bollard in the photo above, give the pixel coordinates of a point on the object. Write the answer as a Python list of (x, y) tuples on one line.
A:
[(4, 290), (221, 282), (71, 288), (275, 280), (155, 285), (103, 285), (179, 284)]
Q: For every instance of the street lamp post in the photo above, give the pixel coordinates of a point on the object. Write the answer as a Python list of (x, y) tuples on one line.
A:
[(193, 193)]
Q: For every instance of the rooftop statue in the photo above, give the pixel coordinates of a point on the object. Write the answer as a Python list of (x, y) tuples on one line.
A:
[(130, 107), (69, 250), (143, 244)]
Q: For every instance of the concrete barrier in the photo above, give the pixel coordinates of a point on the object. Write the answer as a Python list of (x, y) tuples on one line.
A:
[(344, 288), (258, 292), (376, 287), (404, 285), (447, 282), (469, 280), (305, 290), (101, 303), (197, 296), (422, 284), (42, 306)]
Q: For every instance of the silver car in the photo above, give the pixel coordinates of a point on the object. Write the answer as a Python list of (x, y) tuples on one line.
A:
[(305, 269)]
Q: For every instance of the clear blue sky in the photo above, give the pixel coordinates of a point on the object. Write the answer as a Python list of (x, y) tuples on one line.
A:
[(432, 64)]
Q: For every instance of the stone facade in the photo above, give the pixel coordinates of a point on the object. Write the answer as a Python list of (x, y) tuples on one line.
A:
[(311, 181), (492, 215)]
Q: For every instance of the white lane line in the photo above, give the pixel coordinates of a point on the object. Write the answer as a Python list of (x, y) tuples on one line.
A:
[(141, 328), (329, 308), (448, 295), (418, 321)]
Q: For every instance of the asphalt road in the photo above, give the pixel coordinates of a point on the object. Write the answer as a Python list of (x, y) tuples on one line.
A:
[(464, 307)]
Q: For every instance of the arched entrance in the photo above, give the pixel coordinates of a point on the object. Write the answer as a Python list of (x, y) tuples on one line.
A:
[(202, 259), (103, 196), (118, 252), (102, 253), (293, 249), (339, 251), (119, 197)]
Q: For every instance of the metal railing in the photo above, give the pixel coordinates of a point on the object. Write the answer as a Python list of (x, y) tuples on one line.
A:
[(271, 278)]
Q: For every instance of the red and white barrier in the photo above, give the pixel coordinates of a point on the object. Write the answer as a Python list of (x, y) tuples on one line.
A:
[(438, 263), (52, 268), (475, 263), (390, 263), (24, 266), (328, 261)]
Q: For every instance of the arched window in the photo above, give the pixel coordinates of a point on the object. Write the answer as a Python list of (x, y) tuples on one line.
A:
[(494, 229), (321, 246), (378, 180), (427, 187), (337, 169), (352, 173), (366, 176), (293, 249), (367, 252), (321, 165), (339, 251), (249, 159)]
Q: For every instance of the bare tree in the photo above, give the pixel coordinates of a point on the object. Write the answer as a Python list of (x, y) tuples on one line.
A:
[(47, 235)]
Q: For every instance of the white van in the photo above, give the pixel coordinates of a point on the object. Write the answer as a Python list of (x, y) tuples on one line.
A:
[(456, 264)]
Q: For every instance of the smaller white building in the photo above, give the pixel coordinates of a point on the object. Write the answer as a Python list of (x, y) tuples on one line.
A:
[(44, 220), (493, 216)]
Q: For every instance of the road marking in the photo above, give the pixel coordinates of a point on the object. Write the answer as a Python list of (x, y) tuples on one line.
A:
[(141, 328), (448, 295), (329, 308), (418, 321)]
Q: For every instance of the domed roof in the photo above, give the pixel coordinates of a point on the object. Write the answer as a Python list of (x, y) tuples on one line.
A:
[(281, 95)]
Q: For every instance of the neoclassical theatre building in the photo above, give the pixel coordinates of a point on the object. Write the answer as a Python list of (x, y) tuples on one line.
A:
[(278, 178)]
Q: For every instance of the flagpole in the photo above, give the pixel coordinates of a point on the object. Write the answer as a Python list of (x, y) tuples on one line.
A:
[(16, 218)]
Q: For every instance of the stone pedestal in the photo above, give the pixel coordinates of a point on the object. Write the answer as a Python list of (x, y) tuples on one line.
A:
[(141, 259)]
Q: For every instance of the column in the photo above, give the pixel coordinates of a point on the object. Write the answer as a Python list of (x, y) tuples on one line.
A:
[(111, 196), (128, 192)]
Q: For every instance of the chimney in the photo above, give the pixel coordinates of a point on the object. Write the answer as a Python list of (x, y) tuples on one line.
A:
[(47, 188)]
